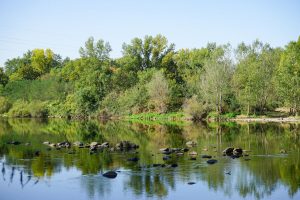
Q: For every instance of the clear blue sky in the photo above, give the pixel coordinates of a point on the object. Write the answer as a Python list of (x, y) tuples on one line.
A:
[(64, 25)]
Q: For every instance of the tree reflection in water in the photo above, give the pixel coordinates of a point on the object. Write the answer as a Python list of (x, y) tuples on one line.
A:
[(259, 177)]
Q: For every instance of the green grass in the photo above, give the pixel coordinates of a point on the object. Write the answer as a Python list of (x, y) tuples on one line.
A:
[(158, 116)]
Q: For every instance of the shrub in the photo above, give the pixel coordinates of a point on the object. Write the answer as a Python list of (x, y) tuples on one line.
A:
[(22, 108), (195, 109), (5, 105)]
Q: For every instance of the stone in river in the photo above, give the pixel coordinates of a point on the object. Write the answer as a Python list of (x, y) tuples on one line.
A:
[(134, 159), (212, 161), (110, 174), (206, 156)]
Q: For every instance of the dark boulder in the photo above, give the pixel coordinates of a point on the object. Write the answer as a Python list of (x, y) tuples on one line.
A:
[(228, 151), (206, 156), (174, 165), (212, 161), (110, 174), (166, 158), (134, 159), (238, 151), (14, 142), (156, 165), (185, 150)]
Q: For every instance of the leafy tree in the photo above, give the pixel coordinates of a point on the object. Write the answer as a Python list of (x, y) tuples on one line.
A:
[(288, 76), (158, 90), (254, 73), (147, 53), (215, 79), (3, 77), (32, 65), (99, 50)]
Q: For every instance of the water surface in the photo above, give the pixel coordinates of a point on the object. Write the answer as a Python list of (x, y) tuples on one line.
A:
[(32, 170)]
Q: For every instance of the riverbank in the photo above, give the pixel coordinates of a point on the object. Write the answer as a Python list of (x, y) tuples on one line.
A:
[(266, 119)]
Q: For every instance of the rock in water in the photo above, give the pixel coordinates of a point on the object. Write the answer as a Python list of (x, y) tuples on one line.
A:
[(238, 151), (174, 165), (191, 144), (193, 153), (110, 174), (191, 183), (212, 161), (206, 156), (228, 151), (135, 159)]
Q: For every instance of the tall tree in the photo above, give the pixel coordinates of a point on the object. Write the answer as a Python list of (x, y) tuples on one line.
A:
[(253, 76), (147, 53), (99, 50), (158, 90), (216, 76), (288, 76)]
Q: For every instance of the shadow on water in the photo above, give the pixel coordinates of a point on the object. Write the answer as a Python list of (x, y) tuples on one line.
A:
[(257, 176)]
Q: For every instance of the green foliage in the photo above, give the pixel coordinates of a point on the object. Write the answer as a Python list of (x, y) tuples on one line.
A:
[(288, 76), (5, 105), (151, 77), (3, 78), (23, 108), (194, 109)]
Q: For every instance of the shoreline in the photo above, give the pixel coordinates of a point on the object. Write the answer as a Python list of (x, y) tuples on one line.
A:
[(267, 119)]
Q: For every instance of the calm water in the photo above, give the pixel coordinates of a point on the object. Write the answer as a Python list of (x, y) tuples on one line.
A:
[(75, 174)]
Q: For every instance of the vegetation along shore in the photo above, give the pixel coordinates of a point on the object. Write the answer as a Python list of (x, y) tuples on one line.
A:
[(153, 81)]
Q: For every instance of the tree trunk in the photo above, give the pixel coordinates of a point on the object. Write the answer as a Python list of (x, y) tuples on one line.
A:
[(248, 109)]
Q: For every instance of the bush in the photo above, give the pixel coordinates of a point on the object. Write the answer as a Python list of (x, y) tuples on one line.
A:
[(195, 109), (22, 108), (5, 105)]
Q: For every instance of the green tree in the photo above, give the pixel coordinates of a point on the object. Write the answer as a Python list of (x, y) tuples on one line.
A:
[(216, 77), (99, 50), (147, 53), (288, 76), (3, 77), (254, 74), (158, 90)]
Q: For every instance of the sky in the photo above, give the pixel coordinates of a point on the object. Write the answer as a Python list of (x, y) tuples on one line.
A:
[(65, 25)]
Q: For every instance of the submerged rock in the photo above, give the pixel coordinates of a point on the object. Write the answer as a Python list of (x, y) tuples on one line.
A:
[(156, 165), (93, 144), (126, 146), (78, 144), (193, 153), (206, 156), (212, 161), (166, 158), (191, 144), (174, 165), (238, 151), (282, 151), (228, 151), (134, 159), (46, 143), (110, 174), (14, 142)]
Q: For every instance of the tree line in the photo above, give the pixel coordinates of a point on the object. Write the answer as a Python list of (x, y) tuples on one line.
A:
[(152, 77)]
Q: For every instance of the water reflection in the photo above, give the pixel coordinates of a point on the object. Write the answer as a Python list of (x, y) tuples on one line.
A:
[(264, 174)]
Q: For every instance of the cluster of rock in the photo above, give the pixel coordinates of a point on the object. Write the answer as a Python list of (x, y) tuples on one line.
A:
[(233, 152), (59, 145), (95, 146)]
